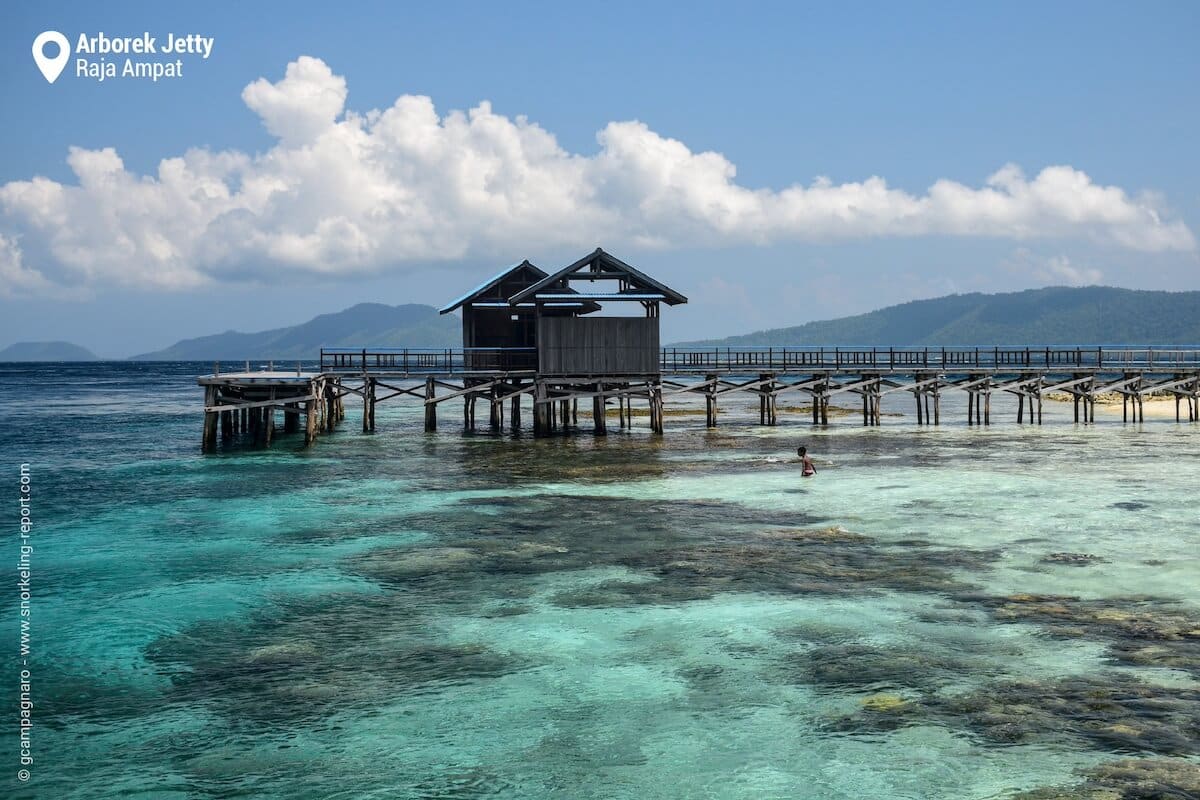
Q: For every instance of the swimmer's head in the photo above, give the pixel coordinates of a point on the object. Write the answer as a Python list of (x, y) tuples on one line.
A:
[(801, 450)]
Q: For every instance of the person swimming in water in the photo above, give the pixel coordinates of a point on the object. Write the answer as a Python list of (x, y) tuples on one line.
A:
[(807, 470)]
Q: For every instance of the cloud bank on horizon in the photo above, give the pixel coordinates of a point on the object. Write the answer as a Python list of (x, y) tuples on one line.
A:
[(348, 192)]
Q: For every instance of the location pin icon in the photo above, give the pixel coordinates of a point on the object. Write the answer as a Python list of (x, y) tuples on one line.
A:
[(51, 67)]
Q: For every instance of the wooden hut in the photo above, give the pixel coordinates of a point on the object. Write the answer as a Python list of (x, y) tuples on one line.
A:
[(498, 334), (526, 319)]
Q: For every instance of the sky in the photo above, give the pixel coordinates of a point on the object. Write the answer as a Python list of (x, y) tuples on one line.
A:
[(775, 162)]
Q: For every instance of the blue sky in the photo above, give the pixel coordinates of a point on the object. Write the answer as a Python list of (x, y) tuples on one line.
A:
[(911, 94)]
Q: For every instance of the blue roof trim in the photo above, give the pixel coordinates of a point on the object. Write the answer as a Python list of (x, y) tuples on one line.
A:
[(617, 268), (603, 296), (489, 283)]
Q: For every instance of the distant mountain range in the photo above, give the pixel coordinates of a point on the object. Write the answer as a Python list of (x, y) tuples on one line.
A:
[(1057, 315), (1054, 316), (363, 325), (46, 351)]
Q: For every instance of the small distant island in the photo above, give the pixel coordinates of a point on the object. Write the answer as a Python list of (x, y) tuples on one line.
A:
[(47, 351)]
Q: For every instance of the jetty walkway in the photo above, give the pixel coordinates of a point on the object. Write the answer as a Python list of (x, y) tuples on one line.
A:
[(247, 401)]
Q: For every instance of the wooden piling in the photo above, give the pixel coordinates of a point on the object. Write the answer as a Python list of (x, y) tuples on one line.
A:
[(767, 413), (208, 438), (310, 422), (371, 408), (599, 421), (366, 410), (762, 399), (710, 401), (515, 413), (656, 409), (430, 405), (541, 410)]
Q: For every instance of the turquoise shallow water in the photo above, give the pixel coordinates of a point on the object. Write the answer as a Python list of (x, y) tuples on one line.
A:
[(941, 613)]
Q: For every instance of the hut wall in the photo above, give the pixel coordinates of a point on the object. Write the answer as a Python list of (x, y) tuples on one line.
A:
[(598, 346), (496, 328)]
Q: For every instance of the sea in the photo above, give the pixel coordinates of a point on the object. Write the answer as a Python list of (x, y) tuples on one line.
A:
[(1002, 611)]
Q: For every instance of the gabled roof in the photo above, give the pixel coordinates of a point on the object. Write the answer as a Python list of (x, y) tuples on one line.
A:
[(525, 270), (636, 285)]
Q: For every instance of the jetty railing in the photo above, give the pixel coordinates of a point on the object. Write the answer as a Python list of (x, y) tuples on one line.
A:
[(428, 360), (409, 360), (941, 359)]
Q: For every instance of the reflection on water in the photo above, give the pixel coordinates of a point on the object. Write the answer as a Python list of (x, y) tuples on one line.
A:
[(951, 613)]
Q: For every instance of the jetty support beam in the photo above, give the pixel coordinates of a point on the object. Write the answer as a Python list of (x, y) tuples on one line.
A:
[(430, 405), (599, 413), (208, 440)]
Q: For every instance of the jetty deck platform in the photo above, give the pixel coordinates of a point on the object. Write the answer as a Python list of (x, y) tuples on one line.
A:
[(248, 401)]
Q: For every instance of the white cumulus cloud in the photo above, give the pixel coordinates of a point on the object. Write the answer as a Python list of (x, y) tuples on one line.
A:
[(342, 191), (14, 275)]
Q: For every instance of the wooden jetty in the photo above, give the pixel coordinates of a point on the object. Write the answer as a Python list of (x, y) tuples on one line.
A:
[(530, 333)]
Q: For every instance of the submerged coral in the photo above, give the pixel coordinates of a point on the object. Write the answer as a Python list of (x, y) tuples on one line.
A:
[(298, 661), (1113, 712), (688, 551), (863, 667), (1129, 779), (1139, 631), (884, 703), (1072, 559)]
